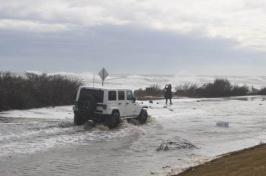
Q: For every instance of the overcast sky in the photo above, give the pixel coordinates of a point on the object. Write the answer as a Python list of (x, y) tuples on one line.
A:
[(206, 37)]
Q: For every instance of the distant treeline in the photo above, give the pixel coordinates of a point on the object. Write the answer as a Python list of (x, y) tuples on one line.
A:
[(33, 90), (219, 88)]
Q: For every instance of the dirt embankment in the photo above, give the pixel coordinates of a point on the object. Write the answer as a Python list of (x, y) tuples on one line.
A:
[(246, 162)]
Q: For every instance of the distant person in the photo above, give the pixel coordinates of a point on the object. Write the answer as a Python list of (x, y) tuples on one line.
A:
[(168, 93)]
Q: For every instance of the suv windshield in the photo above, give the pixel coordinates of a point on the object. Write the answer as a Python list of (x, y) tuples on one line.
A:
[(129, 95), (97, 94)]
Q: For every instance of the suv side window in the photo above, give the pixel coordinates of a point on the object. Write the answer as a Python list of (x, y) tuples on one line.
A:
[(111, 95), (129, 95), (121, 95)]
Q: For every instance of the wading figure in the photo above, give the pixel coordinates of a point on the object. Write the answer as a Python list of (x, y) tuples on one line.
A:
[(168, 93)]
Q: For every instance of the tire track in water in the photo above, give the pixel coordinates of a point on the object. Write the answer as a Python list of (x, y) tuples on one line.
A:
[(28, 136)]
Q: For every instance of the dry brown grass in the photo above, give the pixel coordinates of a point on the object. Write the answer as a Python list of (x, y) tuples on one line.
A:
[(247, 162)]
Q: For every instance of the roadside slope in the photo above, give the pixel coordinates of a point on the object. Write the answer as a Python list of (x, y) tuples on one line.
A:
[(246, 162)]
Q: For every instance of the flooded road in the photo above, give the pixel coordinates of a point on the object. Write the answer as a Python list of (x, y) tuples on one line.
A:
[(42, 147), (175, 137), (30, 146)]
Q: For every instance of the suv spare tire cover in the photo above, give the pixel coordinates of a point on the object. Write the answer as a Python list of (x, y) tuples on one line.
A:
[(87, 104)]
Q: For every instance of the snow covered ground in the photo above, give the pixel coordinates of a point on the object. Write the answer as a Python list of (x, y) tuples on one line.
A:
[(45, 141)]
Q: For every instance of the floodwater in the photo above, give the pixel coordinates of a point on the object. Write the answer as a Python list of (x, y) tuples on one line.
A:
[(176, 137)]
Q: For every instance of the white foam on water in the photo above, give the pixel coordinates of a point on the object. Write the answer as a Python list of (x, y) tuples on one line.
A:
[(192, 120)]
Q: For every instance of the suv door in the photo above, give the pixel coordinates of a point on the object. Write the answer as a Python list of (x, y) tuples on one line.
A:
[(112, 98), (130, 106), (121, 102)]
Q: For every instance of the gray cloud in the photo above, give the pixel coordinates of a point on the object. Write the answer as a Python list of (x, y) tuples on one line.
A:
[(133, 36), (121, 49)]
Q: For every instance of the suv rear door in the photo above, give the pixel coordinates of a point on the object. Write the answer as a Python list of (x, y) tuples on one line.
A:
[(130, 106)]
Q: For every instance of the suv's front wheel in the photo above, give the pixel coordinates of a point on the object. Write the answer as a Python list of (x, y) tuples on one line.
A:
[(112, 121)]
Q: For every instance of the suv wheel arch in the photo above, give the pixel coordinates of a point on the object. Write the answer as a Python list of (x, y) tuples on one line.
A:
[(115, 111)]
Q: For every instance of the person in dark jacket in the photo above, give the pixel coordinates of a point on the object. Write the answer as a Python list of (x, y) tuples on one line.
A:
[(168, 93)]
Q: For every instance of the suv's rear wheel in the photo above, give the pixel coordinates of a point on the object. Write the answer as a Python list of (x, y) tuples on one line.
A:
[(87, 104), (143, 116), (79, 120), (112, 121)]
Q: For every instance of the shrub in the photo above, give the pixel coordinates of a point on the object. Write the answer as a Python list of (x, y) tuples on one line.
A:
[(1, 97), (139, 93), (31, 90), (253, 91), (239, 90), (219, 88), (262, 91), (187, 89), (154, 90)]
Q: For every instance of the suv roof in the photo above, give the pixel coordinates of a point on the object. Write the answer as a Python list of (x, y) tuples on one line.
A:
[(102, 88)]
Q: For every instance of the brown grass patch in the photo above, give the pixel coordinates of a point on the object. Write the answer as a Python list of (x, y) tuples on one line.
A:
[(247, 162)]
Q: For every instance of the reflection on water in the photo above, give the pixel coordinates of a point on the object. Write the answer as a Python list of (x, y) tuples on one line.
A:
[(247, 98)]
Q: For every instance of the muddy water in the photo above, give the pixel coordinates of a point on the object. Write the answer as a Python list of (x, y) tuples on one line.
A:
[(174, 137)]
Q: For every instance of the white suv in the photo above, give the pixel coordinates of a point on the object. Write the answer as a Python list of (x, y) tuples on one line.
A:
[(108, 106)]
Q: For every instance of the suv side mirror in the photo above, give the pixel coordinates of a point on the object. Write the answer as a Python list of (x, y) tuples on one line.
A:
[(134, 99)]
